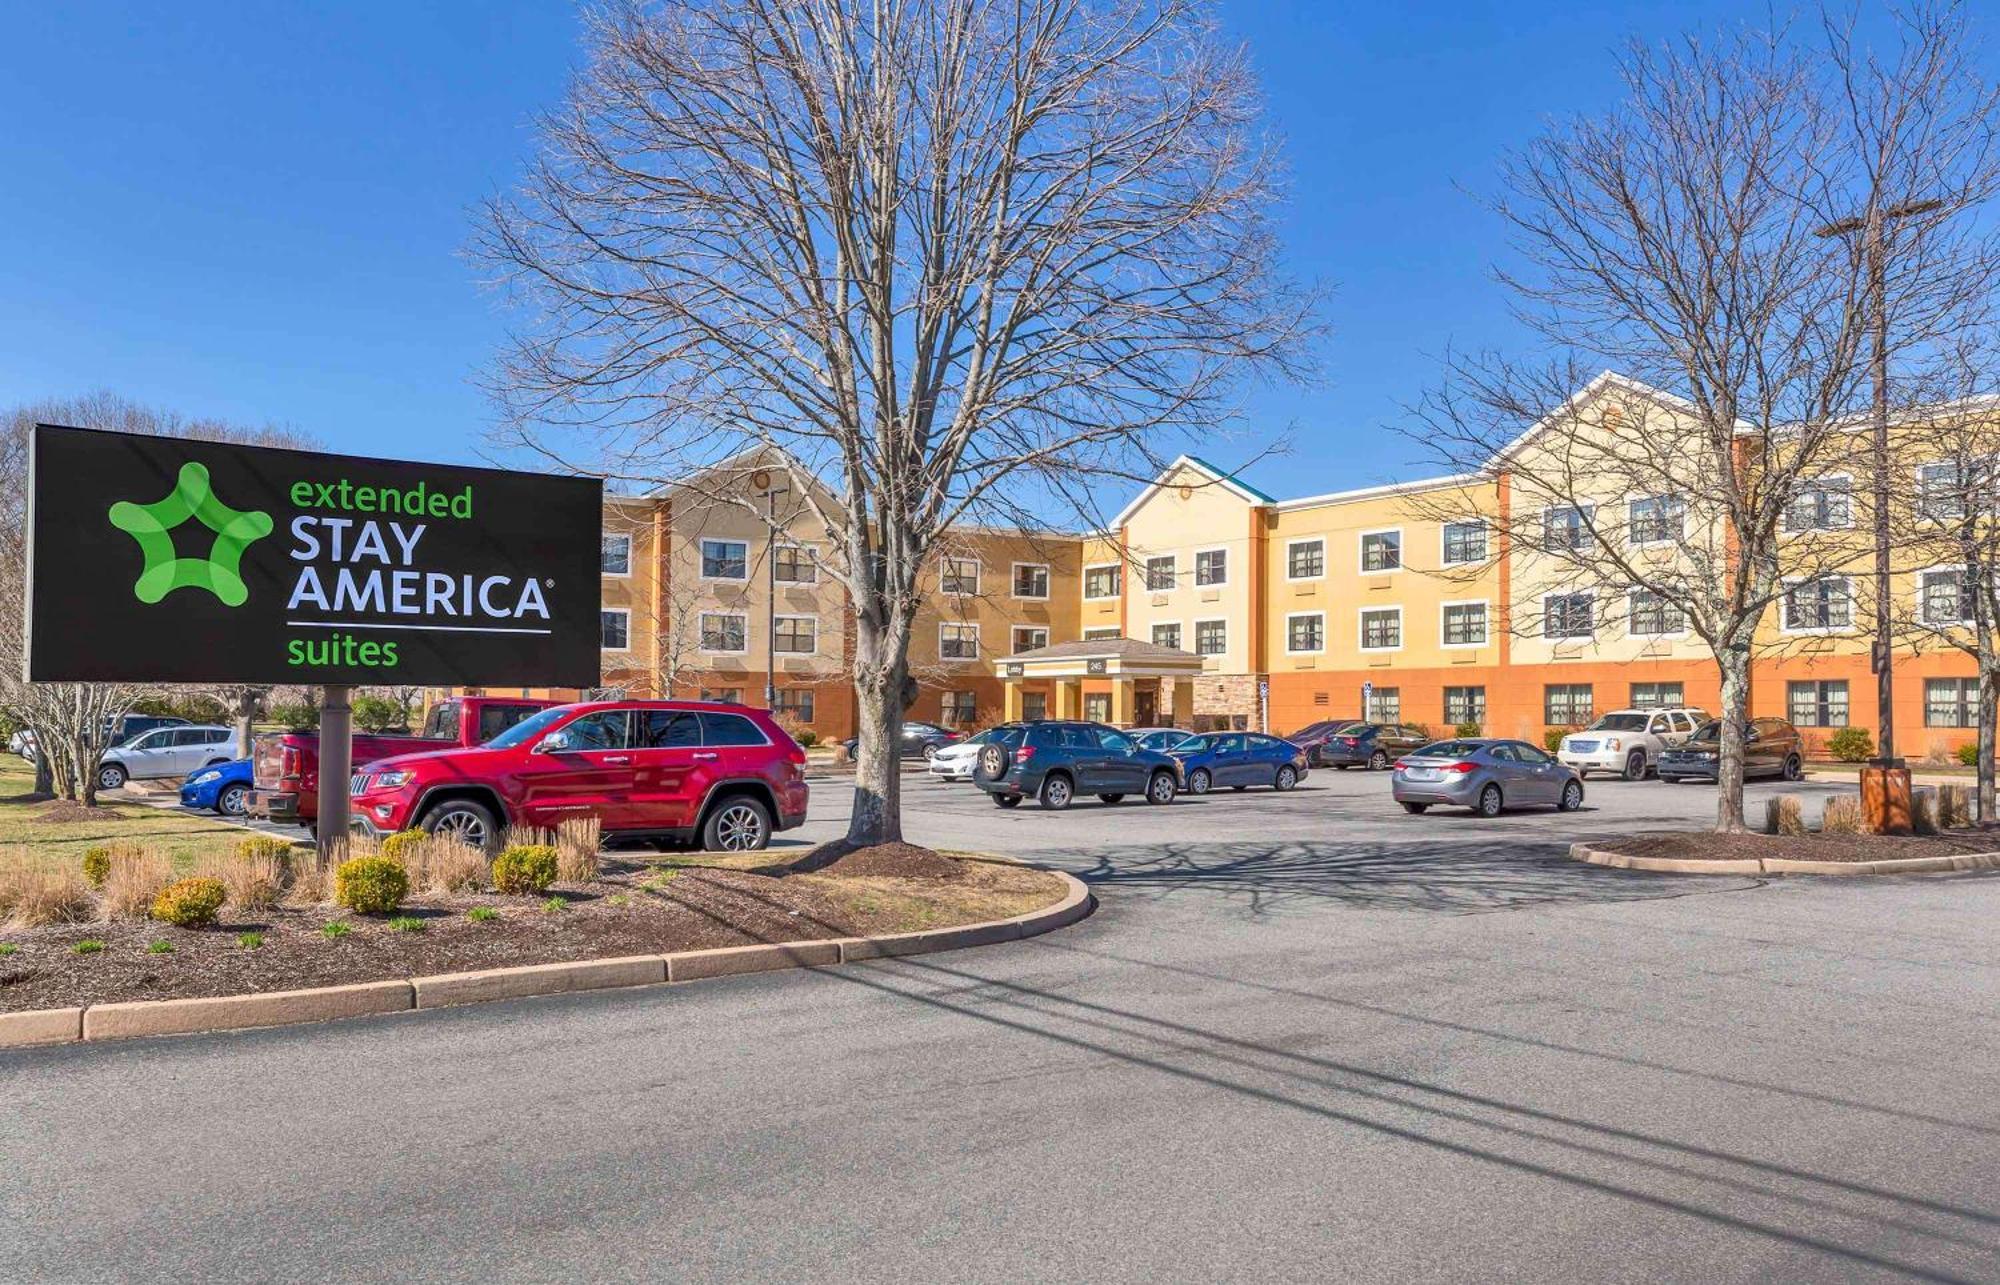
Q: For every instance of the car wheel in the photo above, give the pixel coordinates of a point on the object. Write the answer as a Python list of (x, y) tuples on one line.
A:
[(1795, 769), (1006, 800), (1056, 792), (1161, 789), (1111, 798), (1378, 760), (1288, 776), (991, 764), (1572, 797), (234, 800), (738, 824), (465, 820), (1635, 766), (112, 776), (1416, 809), (930, 752), (1199, 781), (1489, 802)]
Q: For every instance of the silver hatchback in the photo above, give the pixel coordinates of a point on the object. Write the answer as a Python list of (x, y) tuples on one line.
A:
[(1486, 775)]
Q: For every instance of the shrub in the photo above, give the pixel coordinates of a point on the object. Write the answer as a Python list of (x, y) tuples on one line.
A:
[(1552, 739), (8, 948), (188, 903), (807, 738), (296, 718), (1954, 807), (97, 866), (1467, 729), (480, 914), (525, 869), (137, 876), (88, 946), (335, 928), (370, 885), (398, 845), (34, 891), (1968, 755), (407, 924), (577, 842), (1842, 815), (159, 946), (249, 941), (264, 846), (1851, 745), (554, 905), (378, 714), (1784, 815)]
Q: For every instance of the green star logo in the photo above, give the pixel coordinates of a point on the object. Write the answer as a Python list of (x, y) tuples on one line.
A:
[(192, 499)]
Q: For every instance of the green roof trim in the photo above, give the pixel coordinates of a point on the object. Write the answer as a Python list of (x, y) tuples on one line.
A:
[(1234, 480)]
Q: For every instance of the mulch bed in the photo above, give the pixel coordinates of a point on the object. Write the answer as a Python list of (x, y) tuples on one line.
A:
[(67, 811), (1811, 847), (685, 909), (893, 860)]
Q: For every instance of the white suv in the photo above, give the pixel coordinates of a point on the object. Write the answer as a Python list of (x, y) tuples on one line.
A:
[(1628, 741)]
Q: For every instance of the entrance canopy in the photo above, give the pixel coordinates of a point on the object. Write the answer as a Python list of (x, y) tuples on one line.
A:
[(1130, 682)]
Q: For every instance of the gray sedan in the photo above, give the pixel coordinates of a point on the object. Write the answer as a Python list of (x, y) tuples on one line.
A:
[(1485, 775)]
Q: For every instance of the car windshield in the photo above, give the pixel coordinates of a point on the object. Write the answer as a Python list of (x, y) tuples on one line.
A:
[(1445, 750), (528, 729), (1167, 739), (1620, 723), (1194, 745), (1711, 732)]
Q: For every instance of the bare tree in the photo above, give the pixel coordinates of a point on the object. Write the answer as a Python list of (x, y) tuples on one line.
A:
[(941, 253)]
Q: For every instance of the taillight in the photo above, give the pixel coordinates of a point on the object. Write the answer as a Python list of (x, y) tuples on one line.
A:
[(1023, 754), (1460, 767), (795, 755)]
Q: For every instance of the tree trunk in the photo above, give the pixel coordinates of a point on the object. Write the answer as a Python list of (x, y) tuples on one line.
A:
[(1735, 665), (246, 712), (1989, 706), (882, 691), (45, 781)]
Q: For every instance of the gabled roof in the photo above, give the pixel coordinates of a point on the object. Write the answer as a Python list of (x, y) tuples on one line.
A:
[(1606, 379), (1229, 482)]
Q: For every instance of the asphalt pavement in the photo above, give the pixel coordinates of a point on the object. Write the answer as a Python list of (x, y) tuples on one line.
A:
[(1305, 1037)]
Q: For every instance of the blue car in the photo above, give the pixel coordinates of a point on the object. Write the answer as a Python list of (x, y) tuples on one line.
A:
[(1239, 760), (223, 788)]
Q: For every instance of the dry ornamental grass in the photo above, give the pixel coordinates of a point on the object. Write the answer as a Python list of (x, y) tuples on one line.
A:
[(137, 876), (1783, 815), (1954, 807), (576, 844), (35, 892), (1842, 815)]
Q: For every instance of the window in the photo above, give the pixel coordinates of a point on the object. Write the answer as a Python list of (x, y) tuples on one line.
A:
[(1569, 615), (724, 631), (1826, 504), (797, 635), (794, 564), (1817, 703), (958, 641), (960, 576), (1160, 574), (608, 729), (794, 702), (1657, 519), (493, 720), (616, 556), (1099, 635), (1464, 705), (1381, 629), (1211, 637), (730, 729), (1566, 704), (1097, 707), (1658, 695), (1823, 603), (1306, 632), (1305, 559), (1565, 530), (1034, 706), (1029, 639), (1652, 615), (1031, 580), (1942, 599), (667, 729), (725, 560), (1167, 635), (1102, 582), (1381, 550), (1464, 542), (959, 709), (1211, 567), (1464, 624), (1951, 702), (723, 695), (1940, 491), (614, 629), (1383, 705)]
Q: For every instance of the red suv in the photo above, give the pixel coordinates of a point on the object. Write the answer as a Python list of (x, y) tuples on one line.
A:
[(669, 771)]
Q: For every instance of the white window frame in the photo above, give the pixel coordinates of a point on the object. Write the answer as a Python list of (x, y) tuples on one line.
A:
[(1100, 633), (1361, 551), (1180, 631), (1785, 625), (1113, 596), (1587, 527), (1305, 651), (1667, 542), (699, 633), (1173, 562), (1319, 540), (1014, 638), (1556, 639), (718, 539), (1785, 527), (1444, 560), (1014, 582), (812, 558), (1923, 502), (1631, 614), (781, 618), (626, 574), (615, 611), (1223, 583), (1194, 636), (1486, 618), (944, 576), (1361, 615), (978, 644), (1965, 618)]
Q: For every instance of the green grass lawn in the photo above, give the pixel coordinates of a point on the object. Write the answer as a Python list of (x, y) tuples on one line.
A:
[(181, 835)]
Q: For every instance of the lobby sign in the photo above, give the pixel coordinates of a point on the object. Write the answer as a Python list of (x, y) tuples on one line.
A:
[(161, 560)]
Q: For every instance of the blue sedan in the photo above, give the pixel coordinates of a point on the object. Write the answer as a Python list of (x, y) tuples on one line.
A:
[(224, 788), (1239, 760)]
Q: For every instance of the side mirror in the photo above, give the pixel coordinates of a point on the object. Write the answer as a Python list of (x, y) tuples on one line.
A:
[(553, 743)]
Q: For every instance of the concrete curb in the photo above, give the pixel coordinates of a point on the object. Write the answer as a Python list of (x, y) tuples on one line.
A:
[(127, 1020), (1780, 866)]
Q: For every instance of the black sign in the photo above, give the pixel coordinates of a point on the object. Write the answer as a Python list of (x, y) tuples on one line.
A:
[(1095, 667), (157, 559)]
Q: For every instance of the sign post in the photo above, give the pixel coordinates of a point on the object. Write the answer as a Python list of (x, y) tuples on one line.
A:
[(336, 760)]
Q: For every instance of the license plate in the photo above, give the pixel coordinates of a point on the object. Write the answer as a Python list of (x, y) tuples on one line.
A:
[(1422, 774)]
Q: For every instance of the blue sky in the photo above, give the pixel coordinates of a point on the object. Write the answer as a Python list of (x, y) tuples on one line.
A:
[(259, 213)]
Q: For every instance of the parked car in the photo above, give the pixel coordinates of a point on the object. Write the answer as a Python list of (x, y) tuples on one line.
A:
[(920, 740), (1239, 760), (115, 732), (955, 762), (286, 764), (669, 772), (1053, 762), (1370, 745), (165, 752), (224, 788), (1163, 739), (1771, 747), (1628, 741), (1486, 775), (1312, 738)]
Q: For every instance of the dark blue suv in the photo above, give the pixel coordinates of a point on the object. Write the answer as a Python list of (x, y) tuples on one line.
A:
[(1053, 762)]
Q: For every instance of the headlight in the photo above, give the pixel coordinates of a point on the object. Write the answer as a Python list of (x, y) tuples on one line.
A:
[(391, 780), (1613, 743), (205, 777)]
